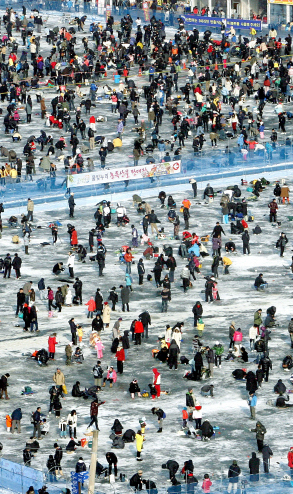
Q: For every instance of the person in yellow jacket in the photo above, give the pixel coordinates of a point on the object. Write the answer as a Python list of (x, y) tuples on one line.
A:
[(139, 444), (13, 173), (226, 263), (79, 333)]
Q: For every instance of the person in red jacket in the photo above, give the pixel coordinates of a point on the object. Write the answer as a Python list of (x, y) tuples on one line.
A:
[(120, 355), (290, 461), (244, 224), (138, 330), (91, 304), (73, 238), (52, 342)]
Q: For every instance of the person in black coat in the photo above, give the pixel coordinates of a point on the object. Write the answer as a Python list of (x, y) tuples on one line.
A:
[(215, 266), (218, 230), (136, 481), (27, 456), (239, 374), (266, 365), (58, 457), (16, 264), (99, 302), (145, 318), (209, 289), (280, 387), (129, 436), (197, 312), (254, 468), (140, 271), (117, 427), (78, 288), (245, 240), (97, 324), (73, 329), (71, 204), (112, 460), (251, 382), (198, 364), (80, 465), (113, 297), (20, 300), (51, 465), (125, 342), (173, 355), (206, 430), (208, 192), (76, 392), (134, 388), (266, 454), (150, 486), (172, 466), (233, 473)]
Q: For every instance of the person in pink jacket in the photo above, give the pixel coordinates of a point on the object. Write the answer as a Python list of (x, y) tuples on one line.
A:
[(91, 304), (206, 485), (99, 347), (111, 377), (50, 298), (238, 337)]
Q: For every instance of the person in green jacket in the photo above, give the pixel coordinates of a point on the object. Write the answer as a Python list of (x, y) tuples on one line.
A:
[(257, 317), (218, 350)]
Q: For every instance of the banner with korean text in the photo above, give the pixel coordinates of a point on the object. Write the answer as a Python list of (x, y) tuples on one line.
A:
[(195, 20), (120, 174)]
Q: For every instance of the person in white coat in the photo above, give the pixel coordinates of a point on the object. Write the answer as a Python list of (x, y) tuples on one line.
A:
[(68, 298), (70, 264), (197, 414), (106, 314), (168, 334), (176, 335), (72, 423), (253, 333), (185, 276)]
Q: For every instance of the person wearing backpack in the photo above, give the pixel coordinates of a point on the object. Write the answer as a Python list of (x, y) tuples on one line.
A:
[(7, 266), (98, 373), (218, 350)]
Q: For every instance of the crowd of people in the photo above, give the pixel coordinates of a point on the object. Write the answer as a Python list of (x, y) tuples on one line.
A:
[(192, 86), (100, 282)]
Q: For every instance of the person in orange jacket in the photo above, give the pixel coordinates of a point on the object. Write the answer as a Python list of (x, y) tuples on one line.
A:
[(91, 304), (186, 203), (128, 259), (8, 422), (184, 417)]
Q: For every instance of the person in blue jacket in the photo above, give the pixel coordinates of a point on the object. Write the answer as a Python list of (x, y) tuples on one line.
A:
[(252, 401)]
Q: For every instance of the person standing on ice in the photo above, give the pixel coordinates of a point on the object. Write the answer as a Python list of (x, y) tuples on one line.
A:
[(233, 476), (71, 204)]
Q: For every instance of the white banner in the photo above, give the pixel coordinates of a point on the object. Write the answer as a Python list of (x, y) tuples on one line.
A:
[(120, 174)]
